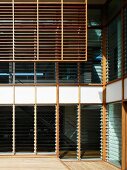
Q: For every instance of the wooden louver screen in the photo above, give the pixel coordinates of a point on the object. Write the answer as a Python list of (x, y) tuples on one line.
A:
[(74, 38), (49, 31), (25, 35), (6, 32)]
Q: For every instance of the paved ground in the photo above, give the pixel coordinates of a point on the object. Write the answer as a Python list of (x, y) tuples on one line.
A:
[(50, 164)]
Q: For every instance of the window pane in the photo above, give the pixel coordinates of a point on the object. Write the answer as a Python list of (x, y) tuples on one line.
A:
[(68, 131), (46, 128), (24, 73), (46, 72), (6, 73), (91, 71), (114, 50), (24, 128), (5, 128), (114, 133), (90, 131), (68, 73)]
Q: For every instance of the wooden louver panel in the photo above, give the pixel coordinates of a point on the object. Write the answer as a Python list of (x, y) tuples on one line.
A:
[(25, 31), (74, 35), (49, 32), (6, 32), (43, 31)]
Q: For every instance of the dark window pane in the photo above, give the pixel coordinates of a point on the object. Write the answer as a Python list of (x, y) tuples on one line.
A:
[(6, 73), (114, 49), (24, 73), (68, 131), (91, 70), (6, 129), (94, 17), (46, 72), (113, 7), (68, 73), (46, 128), (24, 128), (90, 131)]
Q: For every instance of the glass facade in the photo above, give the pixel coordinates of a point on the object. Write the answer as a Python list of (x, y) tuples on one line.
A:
[(90, 131), (46, 73), (91, 71), (114, 49), (68, 131), (37, 113), (114, 133)]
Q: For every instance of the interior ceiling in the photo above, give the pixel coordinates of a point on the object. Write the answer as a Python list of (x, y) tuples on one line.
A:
[(96, 1)]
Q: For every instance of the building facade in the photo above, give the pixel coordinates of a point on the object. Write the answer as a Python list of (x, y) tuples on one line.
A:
[(63, 79)]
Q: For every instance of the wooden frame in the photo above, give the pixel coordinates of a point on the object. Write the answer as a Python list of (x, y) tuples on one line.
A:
[(104, 143), (79, 125), (57, 122), (57, 111), (35, 122), (125, 110), (67, 54)]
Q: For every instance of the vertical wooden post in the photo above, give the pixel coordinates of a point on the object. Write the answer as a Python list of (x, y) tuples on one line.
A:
[(13, 12), (125, 109), (86, 33), (124, 166), (57, 121), (79, 125), (35, 93), (104, 94), (62, 29), (35, 112), (13, 108), (79, 116), (13, 142), (35, 126), (57, 110), (37, 30)]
